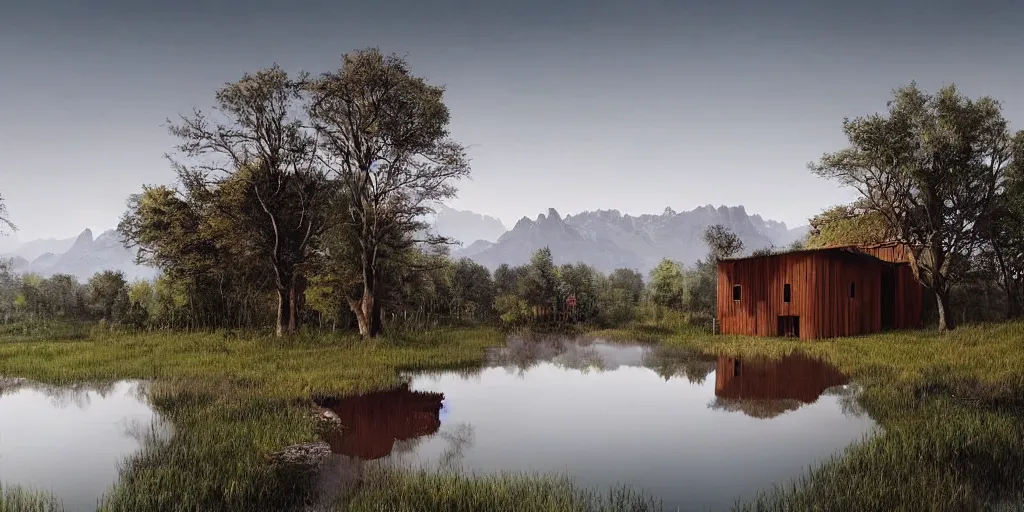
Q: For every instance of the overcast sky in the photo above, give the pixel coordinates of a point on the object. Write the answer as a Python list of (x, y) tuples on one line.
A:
[(573, 104)]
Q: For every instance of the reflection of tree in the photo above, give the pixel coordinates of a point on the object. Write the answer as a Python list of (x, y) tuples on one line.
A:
[(459, 439), (847, 398), (79, 395), (670, 362), (765, 388), (760, 409), (375, 421), (523, 353)]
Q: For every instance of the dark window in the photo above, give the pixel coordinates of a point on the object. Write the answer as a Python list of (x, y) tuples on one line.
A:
[(853, 291), (786, 293), (736, 368), (736, 292)]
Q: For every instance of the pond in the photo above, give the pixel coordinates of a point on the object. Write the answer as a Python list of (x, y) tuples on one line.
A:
[(70, 440), (697, 432)]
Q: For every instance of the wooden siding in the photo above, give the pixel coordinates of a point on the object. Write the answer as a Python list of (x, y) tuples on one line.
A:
[(893, 253), (761, 283), (836, 313), (909, 299), (820, 293)]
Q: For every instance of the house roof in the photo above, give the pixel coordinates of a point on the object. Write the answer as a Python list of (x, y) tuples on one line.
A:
[(845, 250)]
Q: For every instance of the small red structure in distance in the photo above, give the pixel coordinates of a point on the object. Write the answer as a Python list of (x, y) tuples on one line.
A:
[(571, 301)]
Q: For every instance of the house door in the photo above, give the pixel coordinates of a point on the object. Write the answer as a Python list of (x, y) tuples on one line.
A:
[(888, 299), (789, 326)]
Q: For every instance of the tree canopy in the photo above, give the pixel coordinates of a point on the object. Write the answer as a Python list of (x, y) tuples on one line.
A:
[(930, 167)]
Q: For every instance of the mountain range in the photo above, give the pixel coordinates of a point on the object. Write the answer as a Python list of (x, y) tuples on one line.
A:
[(81, 256), (605, 239), (608, 239)]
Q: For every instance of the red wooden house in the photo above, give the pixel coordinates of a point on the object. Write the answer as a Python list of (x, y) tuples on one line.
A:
[(819, 293)]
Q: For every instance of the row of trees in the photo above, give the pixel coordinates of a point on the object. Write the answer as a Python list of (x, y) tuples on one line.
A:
[(33, 298), (440, 291)]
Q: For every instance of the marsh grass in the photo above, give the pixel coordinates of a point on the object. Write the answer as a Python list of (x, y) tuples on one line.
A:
[(21, 499), (232, 398), (951, 411), (395, 490)]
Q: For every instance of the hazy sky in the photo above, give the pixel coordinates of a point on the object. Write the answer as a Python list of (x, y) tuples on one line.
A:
[(574, 104)]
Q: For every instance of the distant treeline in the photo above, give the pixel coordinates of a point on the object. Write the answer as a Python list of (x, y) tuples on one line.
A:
[(440, 291)]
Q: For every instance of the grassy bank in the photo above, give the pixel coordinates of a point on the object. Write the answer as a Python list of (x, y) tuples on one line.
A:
[(952, 409), (231, 400)]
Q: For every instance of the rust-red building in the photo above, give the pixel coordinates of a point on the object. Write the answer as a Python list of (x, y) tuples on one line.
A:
[(819, 293)]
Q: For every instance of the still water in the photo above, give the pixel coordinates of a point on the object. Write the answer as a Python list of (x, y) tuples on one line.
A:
[(697, 432), (70, 440)]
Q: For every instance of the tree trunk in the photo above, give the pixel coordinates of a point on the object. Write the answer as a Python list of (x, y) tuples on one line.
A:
[(366, 309), (368, 314), (284, 309), (293, 310), (376, 323), (946, 321)]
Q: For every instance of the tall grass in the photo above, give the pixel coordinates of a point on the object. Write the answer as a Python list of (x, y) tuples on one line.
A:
[(21, 499), (421, 490)]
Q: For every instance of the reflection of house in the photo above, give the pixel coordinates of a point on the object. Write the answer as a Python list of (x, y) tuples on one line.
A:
[(773, 387), (819, 293), (374, 421)]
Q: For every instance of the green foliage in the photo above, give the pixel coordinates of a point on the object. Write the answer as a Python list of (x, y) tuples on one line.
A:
[(722, 242), (107, 295), (668, 285), (512, 310), (847, 225)]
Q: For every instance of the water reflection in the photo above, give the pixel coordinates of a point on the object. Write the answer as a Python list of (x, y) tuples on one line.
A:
[(767, 388), (523, 353), (71, 440), (374, 426), (375, 421), (609, 413)]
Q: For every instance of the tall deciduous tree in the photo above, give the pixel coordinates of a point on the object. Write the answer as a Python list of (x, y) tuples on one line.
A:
[(1003, 245), (385, 137), (931, 166), (264, 157)]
